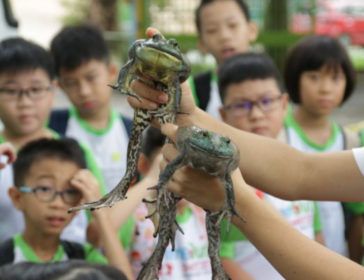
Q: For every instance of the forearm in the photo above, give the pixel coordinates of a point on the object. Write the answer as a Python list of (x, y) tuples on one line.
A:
[(111, 244), (291, 253), (234, 271), (280, 170)]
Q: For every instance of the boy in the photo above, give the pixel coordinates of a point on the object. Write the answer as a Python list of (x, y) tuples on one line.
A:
[(254, 101), (44, 170), (224, 29), (27, 91), (84, 72)]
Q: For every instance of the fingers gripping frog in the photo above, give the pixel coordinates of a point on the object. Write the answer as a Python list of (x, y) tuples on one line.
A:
[(159, 62), (216, 155)]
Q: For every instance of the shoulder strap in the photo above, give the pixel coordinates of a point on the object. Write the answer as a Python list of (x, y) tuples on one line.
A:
[(203, 87), (73, 250), (58, 120), (7, 252), (127, 123), (351, 139)]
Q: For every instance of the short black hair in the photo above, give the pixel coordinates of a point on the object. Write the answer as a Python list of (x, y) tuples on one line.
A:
[(247, 66), (70, 269), (311, 53), (66, 149), (77, 44), (241, 3), (153, 139), (18, 54)]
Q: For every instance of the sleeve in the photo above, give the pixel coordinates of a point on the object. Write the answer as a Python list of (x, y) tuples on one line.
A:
[(126, 232), (317, 223), (93, 255), (234, 234), (227, 250), (359, 158), (356, 208)]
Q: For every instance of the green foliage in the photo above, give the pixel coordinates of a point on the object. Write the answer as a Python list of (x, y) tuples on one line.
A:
[(76, 11)]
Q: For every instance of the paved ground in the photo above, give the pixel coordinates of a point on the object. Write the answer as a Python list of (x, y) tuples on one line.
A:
[(351, 112)]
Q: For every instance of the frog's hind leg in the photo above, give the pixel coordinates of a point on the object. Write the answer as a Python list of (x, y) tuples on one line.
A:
[(213, 223), (140, 122)]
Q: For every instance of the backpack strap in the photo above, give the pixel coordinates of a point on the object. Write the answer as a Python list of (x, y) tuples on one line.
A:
[(127, 123), (351, 139), (7, 251), (58, 120), (73, 250), (203, 87)]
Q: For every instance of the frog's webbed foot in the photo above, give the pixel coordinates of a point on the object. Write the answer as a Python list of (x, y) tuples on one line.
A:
[(126, 92), (107, 201)]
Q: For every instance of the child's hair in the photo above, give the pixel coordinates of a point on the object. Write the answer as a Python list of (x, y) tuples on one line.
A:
[(17, 55), (64, 270), (75, 45), (65, 149), (241, 3), (153, 139), (311, 54), (246, 66)]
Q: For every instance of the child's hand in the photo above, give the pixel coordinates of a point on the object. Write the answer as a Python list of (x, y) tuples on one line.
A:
[(152, 98), (8, 150), (86, 183)]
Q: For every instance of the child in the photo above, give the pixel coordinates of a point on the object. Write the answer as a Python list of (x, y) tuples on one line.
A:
[(44, 169), (319, 78), (27, 91), (254, 101), (189, 260), (224, 29), (84, 72)]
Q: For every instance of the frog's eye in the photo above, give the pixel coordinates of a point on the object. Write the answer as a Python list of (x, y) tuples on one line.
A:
[(173, 42), (204, 133), (156, 37)]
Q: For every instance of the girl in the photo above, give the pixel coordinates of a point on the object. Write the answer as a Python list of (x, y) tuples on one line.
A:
[(319, 78)]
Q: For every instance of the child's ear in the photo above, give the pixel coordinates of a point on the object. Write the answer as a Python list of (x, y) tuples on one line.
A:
[(113, 71), (285, 102), (15, 196), (143, 164), (253, 31), (222, 114)]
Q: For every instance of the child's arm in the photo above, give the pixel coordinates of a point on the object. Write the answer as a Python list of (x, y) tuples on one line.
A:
[(234, 270), (6, 149), (85, 182)]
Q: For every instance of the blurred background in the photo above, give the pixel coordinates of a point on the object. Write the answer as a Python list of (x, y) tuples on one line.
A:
[(281, 24)]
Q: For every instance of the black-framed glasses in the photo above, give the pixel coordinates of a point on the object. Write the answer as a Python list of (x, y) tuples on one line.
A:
[(34, 93), (245, 108), (47, 194)]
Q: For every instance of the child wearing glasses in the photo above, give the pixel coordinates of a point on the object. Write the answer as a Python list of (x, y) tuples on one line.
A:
[(254, 101), (319, 78), (27, 90), (50, 176)]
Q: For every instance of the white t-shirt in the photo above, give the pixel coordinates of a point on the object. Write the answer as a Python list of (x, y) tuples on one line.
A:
[(359, 158), (109, 146), (331, 212)]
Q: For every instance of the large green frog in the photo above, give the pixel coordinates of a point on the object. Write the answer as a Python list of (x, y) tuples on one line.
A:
[(159, 62), (216, 155)]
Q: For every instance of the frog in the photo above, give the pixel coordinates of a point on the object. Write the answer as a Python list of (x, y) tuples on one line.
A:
[(160, 63), (215, 154)]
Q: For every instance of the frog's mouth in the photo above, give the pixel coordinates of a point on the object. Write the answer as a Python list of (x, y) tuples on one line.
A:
[(209, 151), (167, 51)]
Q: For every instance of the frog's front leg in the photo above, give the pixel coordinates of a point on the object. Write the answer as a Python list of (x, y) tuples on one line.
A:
[(141, 121), (124, 80)]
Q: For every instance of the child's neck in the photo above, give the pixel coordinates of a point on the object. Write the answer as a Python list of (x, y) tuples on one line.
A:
[(19, 140), (44, 246), (317, 128), (99, 120)]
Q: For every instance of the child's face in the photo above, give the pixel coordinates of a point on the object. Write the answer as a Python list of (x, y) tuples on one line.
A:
[(224, 30), (25, 113), (87, 86), (266, 118), (47, 217), (322, 90)]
